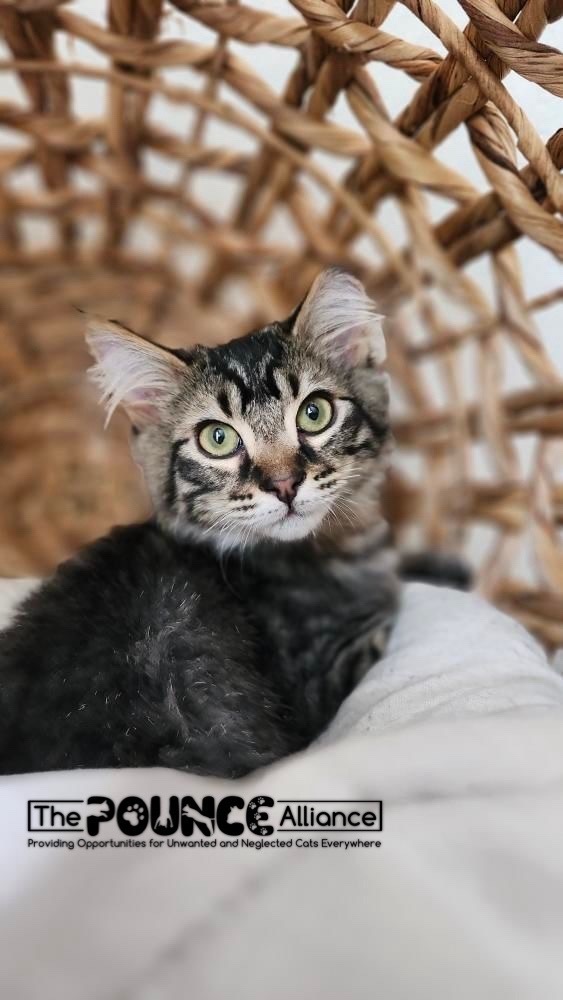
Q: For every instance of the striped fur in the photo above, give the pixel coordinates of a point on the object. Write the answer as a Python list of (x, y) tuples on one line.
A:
[(159, 645), (333, 345)]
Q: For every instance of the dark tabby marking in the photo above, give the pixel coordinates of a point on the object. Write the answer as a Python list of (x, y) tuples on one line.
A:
[(224, 633), (440, 569)]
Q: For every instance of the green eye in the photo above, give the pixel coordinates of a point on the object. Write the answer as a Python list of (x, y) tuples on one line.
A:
[(314, 415), (219, 440)]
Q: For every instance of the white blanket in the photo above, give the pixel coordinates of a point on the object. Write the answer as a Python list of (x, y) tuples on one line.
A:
[(459, 730), (450, 656)]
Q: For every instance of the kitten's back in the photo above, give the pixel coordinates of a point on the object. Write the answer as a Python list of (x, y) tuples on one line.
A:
[(136, 653)]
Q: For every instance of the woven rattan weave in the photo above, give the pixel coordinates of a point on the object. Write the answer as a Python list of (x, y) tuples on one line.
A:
[(87, 220)]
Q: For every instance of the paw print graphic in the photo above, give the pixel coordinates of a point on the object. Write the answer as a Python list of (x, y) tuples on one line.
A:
[(135, 814), (254, 808), (255, 804)]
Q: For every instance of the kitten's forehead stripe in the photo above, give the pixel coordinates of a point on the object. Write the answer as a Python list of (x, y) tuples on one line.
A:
[(244, 390), (293, 381), (223, 401), (256, 364), (270, 382)]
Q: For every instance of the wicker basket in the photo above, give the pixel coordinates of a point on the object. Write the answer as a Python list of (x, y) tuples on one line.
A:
[(88, 220)]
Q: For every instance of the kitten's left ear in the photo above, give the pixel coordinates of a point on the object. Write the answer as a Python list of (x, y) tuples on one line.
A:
[(339, 315), (133, 372)]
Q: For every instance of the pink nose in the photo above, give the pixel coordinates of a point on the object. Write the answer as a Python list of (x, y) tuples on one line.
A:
[(285, 488)]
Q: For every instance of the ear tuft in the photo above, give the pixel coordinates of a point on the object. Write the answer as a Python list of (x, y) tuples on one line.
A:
[(339, 315), (132, 372)]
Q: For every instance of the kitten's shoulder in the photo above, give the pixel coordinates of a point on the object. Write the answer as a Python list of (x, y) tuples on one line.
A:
[(123, 549), (124, 544), (108, 573)]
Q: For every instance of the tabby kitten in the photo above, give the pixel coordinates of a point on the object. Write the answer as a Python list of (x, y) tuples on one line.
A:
[(224, 633)]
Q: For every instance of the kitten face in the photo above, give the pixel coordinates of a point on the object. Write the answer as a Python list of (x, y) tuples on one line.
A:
[(268, 437)]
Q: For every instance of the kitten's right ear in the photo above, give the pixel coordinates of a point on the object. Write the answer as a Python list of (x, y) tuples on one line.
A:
[(338, 316), (133, 372)]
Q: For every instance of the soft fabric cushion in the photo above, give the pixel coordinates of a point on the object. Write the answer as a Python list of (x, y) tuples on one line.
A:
[(459, 730), (451, 655)]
